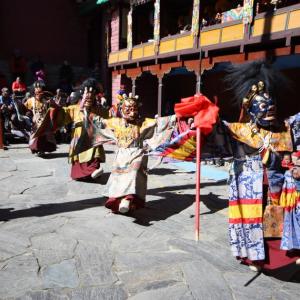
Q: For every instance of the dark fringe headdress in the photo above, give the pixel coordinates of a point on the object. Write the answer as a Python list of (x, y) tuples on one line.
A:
[(90, 84), (39, 83), (242, 78)]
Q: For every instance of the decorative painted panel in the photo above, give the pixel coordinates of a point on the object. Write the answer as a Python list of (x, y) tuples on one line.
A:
[(123, 55), (137, 52), (210, 37), (167, 46), (270, 24), (232, 33), (149, 50), (184, 42), (113, 58), (294, 21)]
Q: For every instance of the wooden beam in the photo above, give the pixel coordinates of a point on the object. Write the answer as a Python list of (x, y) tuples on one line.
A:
[(192, 65), (134, 73), (153, 69), (167, 67)]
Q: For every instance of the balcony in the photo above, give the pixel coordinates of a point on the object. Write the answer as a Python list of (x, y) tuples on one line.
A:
[(284, 23)]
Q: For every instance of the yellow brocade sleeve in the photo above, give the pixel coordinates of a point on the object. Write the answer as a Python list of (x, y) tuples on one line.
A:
[(280, 141)]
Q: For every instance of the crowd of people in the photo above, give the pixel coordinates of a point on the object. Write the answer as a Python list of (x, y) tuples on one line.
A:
[(20, 104), (213, 14), (264, 182)]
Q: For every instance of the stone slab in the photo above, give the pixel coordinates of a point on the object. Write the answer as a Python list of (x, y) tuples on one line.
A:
[(63, 274)]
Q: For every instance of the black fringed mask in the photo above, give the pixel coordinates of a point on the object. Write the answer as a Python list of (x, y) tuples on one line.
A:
[(260, 106)]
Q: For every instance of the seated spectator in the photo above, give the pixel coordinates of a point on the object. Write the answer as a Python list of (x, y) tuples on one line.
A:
[(66, 73), (18, 87), (182, 24), (40, 75), (203, 23), (6, 110), (218, 18), (3, 81), (18, 65), (36, 66)]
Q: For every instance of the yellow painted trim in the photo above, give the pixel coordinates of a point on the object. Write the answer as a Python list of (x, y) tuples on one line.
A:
[(123, 55), (137, 52), (269, 24), (294, 21), (113, 58), (149, 50), (210, 37), (184, 42), (233, 33), (167, 46)]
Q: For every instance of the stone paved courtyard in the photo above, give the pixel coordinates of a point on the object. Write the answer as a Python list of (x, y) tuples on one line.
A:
[(58, 241)]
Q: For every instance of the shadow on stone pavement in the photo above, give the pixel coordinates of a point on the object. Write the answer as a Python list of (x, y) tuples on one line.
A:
[(214, 203), (173, 203), (55, 155), (101, 180), (50, 209), (287, 273), (164, 171)]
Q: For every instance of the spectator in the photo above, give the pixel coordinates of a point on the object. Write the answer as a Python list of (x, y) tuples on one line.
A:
[(203, 23), (40, 75), (218, 18), (18, 65), (60, 98), (65, 86), (18, 87), (3, 81), (37, 65), (6, 110), (74, 98), (66, 73), (180, 23), (96, 73)]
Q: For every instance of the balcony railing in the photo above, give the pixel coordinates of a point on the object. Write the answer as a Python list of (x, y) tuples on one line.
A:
[(283, 23)]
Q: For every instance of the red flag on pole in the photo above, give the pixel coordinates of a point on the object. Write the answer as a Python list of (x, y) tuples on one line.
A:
[(205, 115)]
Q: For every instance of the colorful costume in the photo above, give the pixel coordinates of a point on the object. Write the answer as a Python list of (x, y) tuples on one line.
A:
[(86, 162), (264, 214), (85, 158), (38, 106), (259, 186), (127, 184)]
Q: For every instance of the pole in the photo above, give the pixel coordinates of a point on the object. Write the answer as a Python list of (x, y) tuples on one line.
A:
[(198, 174), (133, 86), (159, 102), (198, 153)]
